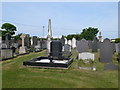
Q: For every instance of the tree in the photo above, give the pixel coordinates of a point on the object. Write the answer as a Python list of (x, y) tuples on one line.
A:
[(89, 33), (17, 37), (117, 40), (9, 28)]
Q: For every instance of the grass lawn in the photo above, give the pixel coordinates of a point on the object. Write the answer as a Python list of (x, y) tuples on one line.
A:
[(15, 75)]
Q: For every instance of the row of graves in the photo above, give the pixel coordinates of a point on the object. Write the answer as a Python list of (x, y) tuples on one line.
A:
[(9, 47), (59, 54), (107, 50)]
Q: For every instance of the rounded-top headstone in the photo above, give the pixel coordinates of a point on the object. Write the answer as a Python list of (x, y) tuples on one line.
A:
[(82, 46), (106, 51)]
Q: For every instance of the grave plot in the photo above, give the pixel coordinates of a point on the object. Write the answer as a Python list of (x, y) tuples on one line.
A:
[(54, 60), (106, 54), (86, 61)]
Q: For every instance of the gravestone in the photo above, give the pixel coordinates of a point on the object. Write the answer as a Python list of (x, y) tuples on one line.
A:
[(67, 48), (7, 40), (43, 44), (69, 42), (34, 38), (90, 44), (6, 53), (15, 45), (94, 45), (66, 42), (62, 40), (82, 46), (86, 55), (98, 44), (73, 43), (27, 40), (23, 49), (113, 47), (117, 47), (106, 51), (3, 45), (56, 50)]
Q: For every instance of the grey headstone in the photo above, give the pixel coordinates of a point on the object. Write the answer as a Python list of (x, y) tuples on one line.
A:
[(94, 45), (82, 46), (117, 47), (106, 51), (90, 44), (67, 48), (113, 47), (27, 40)]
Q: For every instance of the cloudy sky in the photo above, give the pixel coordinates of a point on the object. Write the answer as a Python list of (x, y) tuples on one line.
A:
[(67, 17)]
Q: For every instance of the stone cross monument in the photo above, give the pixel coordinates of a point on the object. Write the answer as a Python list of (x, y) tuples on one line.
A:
[(22, 48)]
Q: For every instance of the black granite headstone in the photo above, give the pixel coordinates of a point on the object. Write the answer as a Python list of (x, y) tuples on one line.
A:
[(56, 50), (106, 51), (94, 45), (82, 46)]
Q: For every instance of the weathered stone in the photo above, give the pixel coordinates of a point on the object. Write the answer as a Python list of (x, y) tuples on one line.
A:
[(73, 43), (86, 55), (82, 46), (106, 51)]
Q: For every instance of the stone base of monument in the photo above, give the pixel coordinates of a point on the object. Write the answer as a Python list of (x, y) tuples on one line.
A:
[(22, 50), (111, 66), (47, 62)]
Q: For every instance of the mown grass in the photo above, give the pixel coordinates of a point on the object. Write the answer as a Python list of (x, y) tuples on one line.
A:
[(15, 75)]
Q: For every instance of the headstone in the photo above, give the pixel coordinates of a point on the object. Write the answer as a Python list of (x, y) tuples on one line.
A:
[(73, 43), (62, 40), (69, 42), (27, 40), (106, 51), (15, 45), (117, 47), (6, 53), (113, 47), (86, 56), (67, 48), (94, 45), (23, 49), (43, 44), (66, 42), (90, 44), (3, 45), (7, 40), (82, 46), (34, 40), (56, 50)]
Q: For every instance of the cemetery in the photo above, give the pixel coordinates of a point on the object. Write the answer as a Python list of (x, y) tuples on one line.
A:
[(59, 63)]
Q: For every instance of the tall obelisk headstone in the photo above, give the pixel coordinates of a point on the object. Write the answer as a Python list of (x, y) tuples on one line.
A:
[(23, 49), (49, 36)]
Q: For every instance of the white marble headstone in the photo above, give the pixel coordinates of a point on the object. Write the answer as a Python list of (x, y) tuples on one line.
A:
[(73, 43), (66, 42), (86, 55), (70, 42)]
